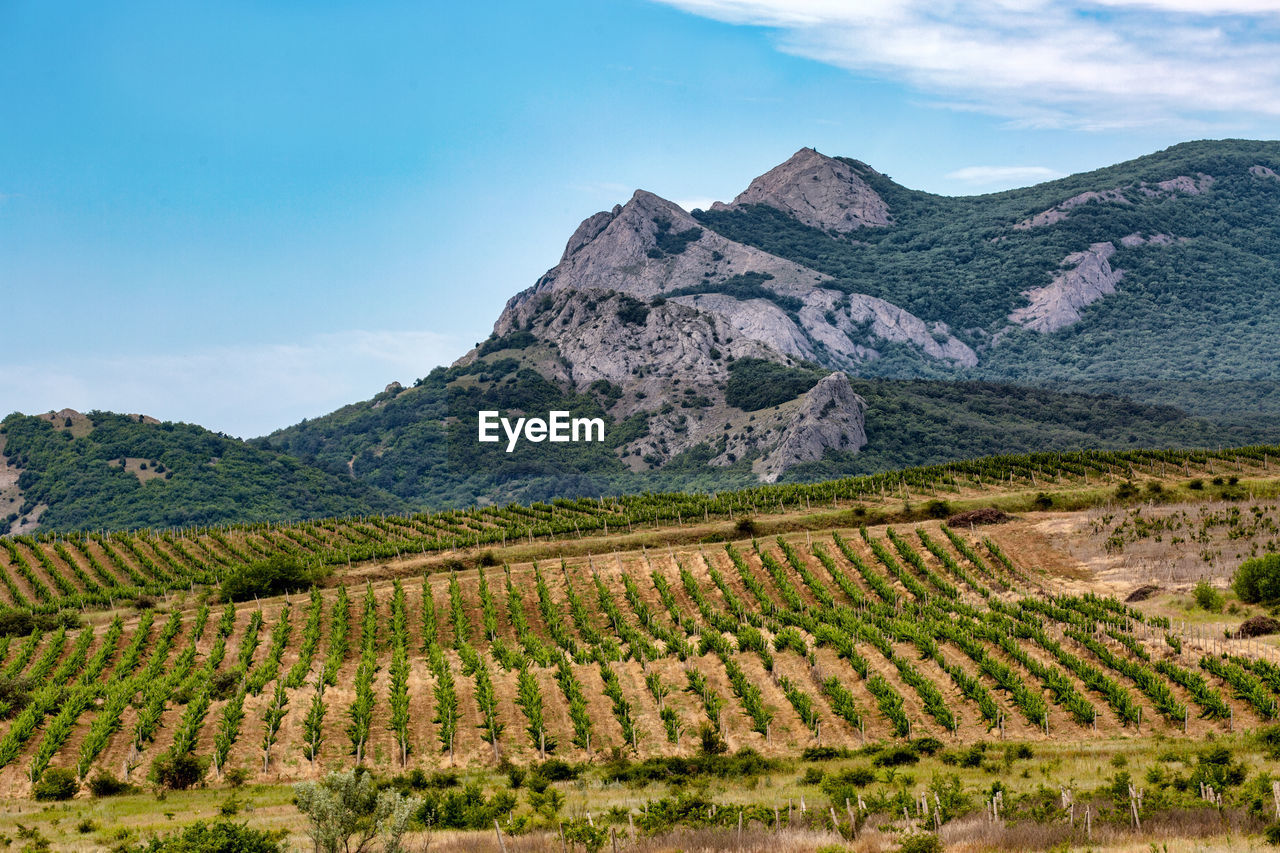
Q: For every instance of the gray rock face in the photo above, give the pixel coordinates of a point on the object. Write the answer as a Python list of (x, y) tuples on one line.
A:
[(601, 310), (819, 191), (1088, 278), (623, 250), (1260, 171), (1129, 241), (1181, 185), (830, 417), (1058, 212)]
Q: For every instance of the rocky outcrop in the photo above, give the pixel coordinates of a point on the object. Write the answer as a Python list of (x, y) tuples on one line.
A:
[(1260, 171), (1058, 212), (830, 417), (1087, 277), (1181, 185), (1135, 239), (649, 246), (819, 191)]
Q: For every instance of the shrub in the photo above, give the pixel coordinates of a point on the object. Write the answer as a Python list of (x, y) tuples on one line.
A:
[(221, 836), (921, 842), (896, 756), (632, 311), (745, 525), (349, 805), (1126, 490), (57, 783), (15, 694), (275, 575), (812, 776), (711, 742), (1215, 767), (106, 785), (1257, 581), (937, 509), (178, 772), (1207, 597)]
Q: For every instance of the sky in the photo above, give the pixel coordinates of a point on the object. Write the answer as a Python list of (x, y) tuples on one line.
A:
[(245, 214)]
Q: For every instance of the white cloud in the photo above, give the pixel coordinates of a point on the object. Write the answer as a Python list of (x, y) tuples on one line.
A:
[(1045, 62), (1003, 175), (244, 390)]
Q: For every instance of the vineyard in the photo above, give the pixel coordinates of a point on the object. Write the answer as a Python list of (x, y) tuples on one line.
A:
[(48, 573), (838, 638)]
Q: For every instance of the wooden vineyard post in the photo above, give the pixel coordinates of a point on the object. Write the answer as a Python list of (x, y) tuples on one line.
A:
[(501, 844)]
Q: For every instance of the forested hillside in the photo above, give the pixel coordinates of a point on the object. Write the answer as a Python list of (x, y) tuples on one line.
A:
[(1199, 295), (110, 471)]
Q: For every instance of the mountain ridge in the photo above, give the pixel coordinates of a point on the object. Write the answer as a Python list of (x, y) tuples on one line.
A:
[(828, 320)]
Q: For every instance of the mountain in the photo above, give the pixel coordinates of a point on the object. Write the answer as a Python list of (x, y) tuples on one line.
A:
[(69, 471), (1158, 278), (828, 320)]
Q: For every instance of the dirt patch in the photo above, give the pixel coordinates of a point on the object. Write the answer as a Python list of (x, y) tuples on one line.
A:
[(143, 469)]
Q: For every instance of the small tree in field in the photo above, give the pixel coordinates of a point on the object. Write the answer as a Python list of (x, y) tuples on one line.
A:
[(1257, 581), (347, 812)]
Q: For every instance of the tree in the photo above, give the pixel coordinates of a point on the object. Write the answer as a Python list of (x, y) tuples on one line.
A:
[(1257, 581), (347, 812)]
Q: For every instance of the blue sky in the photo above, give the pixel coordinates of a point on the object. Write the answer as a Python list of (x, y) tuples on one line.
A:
[(245, 214)]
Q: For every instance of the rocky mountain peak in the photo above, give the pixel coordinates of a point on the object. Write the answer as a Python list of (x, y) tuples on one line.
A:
[(831, 416), (819, 191)]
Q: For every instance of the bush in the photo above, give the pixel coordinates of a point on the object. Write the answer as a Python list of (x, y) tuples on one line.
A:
[(278, 574), (1257, 581), (106, 785), (221, 836), (15, 694), (57, 783), (178, 772), (348, 805), (921, 842), (711, 742), (896, 756), (1207, 597), (937, 509)]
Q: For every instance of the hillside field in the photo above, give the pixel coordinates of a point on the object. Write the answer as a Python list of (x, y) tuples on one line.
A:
[(835, 663)]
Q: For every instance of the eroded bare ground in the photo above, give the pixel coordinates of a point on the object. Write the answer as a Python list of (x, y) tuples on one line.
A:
[(1114, 550)]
